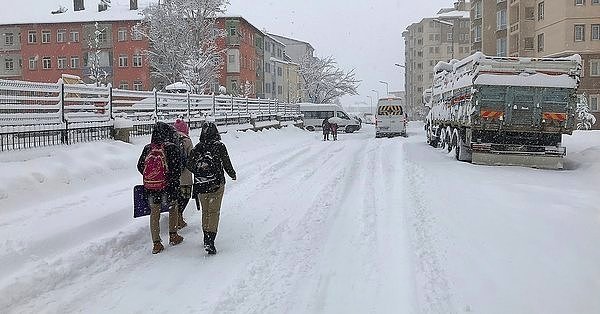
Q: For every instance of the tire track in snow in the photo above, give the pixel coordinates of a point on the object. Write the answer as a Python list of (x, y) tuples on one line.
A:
[(433, 290), (272, 276)]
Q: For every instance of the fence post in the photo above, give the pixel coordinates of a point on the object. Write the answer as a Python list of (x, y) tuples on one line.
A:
[(231, 103), (247, 110), (156, 105), (269, 109), (189, 114), (110, 101), (214, 104), (64, 139)]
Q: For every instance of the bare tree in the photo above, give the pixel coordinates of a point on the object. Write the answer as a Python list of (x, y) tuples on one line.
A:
[(98, 75), (246, 89), (323, 81), (585, 120), (183, 35)]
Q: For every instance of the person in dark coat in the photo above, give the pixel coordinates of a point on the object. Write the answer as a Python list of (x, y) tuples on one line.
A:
[(210, 200), (326, 129), (334, 128), (161, 135)]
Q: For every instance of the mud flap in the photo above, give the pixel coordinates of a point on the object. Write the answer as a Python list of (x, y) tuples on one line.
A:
[(535, 161)]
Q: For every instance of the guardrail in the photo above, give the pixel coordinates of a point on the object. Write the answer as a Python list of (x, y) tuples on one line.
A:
[(43, 114)]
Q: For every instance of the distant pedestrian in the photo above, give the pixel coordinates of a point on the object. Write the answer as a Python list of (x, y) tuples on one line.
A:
[(208, 161), (334, 128), (326, 129), (186, 179), (160, 165)]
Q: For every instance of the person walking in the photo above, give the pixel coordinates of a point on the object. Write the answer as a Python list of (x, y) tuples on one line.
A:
[(334, 128), (160, 165), (186, 179), (326, 128), (208, 161)]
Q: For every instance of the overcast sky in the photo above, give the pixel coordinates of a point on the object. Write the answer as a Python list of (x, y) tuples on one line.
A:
[(361, 34)]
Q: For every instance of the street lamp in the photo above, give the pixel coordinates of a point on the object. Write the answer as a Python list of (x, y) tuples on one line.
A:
[(376, 92), (451, 32), (387, 87), (371, 106)]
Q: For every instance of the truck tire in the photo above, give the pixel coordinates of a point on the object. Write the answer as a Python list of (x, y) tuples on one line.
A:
[(462, 152), (310, 128), (350, 129)]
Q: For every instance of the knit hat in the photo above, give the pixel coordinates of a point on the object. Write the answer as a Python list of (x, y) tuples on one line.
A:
[(182, 127)]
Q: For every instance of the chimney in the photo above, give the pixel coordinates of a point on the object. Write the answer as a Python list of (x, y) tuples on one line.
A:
[(78, 5), (102, 7), (133, 5)]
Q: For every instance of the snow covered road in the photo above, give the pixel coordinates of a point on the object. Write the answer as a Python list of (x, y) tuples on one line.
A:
[(361, 225)]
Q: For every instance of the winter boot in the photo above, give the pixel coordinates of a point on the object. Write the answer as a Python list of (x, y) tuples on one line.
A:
[(210, 246), (157, 248), (181, 224), (174, 238)]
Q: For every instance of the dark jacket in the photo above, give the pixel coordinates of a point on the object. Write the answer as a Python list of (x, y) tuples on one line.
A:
[(162, 134), (326, 126), (211, 140)]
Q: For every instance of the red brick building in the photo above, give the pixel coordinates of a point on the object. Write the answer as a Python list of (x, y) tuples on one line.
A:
[(44, 47), (243, 55)]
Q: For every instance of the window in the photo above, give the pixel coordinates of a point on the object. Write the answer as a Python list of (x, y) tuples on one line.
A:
[(74, 62), (594, 103), (46, 63), (477, 10), (279, 90), (268, 88), (9, 64), (501, 47), (137, 61), (74, 36), (595, 2), (449, 49), (123, 60), (9, 39), (102, 37), (596, 31), (32, 37), (579, 2), (136, 34), (61, 62), (449, 37), (123, 85), (501, 20), (279, 71), (540, 40), (60, 35), (46, 37), (540, 11), (579, 32), (122, 34), (477, 34), (137, 85), (232, 31), (231, 59), (268, 67), (32, 63), (595, 67)]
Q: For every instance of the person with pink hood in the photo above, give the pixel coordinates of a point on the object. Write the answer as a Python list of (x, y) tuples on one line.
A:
[(186, 180)]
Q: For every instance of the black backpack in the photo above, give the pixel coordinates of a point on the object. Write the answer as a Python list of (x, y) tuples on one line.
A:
[(206, 172)]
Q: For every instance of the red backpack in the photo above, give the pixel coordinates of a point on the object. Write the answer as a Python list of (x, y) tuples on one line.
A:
[(155, 168)]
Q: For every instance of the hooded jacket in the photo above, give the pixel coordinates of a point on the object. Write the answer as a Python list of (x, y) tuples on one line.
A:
[(211, 140), (163, 133)]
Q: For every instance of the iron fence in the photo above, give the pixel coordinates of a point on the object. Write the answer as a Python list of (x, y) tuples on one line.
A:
[(42, 114)]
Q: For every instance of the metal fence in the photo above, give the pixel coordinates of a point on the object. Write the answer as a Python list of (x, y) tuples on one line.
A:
[(42, 114)]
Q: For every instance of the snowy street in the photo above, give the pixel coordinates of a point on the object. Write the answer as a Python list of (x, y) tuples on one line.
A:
[(361, 225)]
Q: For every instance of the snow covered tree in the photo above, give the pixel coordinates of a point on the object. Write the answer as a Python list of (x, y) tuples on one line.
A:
[(246, 89), (323, 81), (585, 120), (98, 76), (183, 35)]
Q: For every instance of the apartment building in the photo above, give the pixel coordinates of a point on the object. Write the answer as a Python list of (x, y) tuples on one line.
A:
[(296, 50), (243, 52), (274, 67), (42, 46), (543, 28), (442, 37)]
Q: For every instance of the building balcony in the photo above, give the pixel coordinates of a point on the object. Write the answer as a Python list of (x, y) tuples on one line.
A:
[(514, 27)]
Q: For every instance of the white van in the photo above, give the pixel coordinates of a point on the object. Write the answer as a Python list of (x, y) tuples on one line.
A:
[(314, 114), (390, 119)]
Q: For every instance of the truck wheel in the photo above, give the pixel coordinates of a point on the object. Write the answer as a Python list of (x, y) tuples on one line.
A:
[(462, 152), (310, 128), (349, 129)]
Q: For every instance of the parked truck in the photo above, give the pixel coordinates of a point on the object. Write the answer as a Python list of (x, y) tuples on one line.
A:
[(504, 110)]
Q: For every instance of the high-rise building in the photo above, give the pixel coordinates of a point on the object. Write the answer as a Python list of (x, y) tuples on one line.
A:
[(442, 37)]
